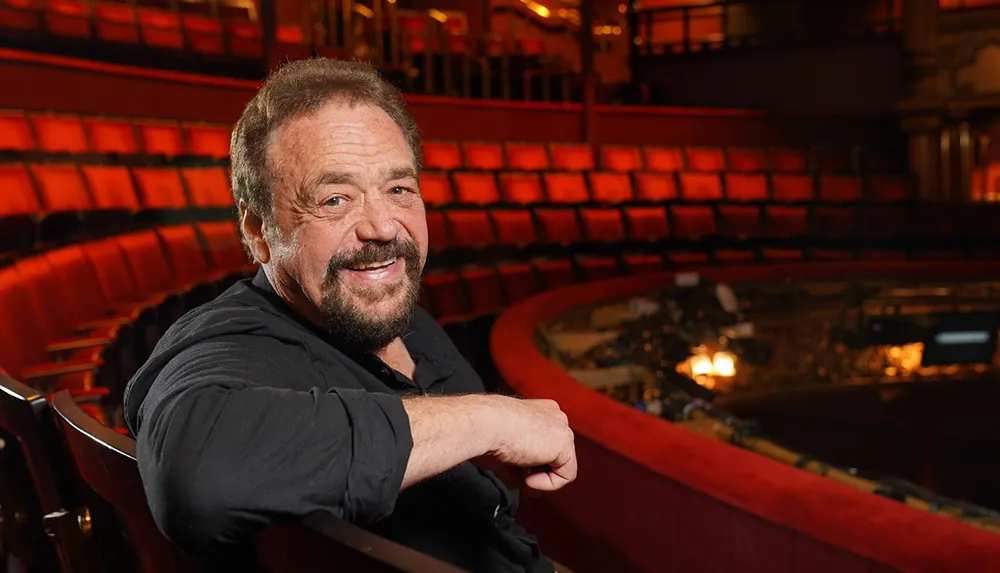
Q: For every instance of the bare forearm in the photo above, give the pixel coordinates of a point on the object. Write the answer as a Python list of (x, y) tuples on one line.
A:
[(448, 430)]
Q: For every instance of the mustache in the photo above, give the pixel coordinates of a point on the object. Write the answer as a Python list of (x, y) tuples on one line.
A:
[(374, 252)]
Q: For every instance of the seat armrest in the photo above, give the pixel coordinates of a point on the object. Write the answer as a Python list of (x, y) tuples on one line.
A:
[(75, 343), (52, 369)]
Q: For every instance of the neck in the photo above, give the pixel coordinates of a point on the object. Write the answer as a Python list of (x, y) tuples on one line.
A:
[(397, 357)]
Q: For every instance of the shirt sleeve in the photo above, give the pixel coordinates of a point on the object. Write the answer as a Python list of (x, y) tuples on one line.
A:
[(222, 452)]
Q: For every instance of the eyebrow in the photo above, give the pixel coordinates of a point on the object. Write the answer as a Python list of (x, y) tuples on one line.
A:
[(342, 178)]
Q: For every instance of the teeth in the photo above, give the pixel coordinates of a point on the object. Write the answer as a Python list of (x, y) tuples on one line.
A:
[(367, 266)]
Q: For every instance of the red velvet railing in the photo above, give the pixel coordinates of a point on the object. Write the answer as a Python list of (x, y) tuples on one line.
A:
[(654, 497)]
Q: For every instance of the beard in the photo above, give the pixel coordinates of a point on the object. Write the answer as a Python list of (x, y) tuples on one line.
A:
[(345, 309)]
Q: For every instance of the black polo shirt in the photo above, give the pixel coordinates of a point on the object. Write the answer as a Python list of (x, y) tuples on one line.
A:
[(246, 414)]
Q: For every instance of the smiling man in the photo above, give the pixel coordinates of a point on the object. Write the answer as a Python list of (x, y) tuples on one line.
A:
[(319, 385)]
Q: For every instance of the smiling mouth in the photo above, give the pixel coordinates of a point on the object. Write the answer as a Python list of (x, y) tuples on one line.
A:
[(374, 266)]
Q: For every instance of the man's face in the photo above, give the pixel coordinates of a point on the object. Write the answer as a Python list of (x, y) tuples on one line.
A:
[(350, 236)]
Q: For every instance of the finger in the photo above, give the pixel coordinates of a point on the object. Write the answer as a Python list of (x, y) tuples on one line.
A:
[(545, 481)]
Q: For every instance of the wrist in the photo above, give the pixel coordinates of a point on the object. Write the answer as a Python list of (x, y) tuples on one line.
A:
[(489, 413)]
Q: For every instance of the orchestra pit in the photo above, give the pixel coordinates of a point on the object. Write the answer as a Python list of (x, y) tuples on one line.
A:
[(751, 248)]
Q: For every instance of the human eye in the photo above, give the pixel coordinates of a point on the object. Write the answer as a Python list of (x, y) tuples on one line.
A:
[(400, 190), (335, 201)]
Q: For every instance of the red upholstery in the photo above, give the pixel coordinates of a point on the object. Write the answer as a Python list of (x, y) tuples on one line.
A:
[(838, 188), (61, 187), (558, 225), (831, 161), (184, 253), (207, 140), (111, 187), (602, 225), (527, 156), (571, 157), (437, 231), (889, 188), (222, 242), (484, 155), (597, 268), (113, 274), (15, 131), (786, 221), (792, 188), (149, 266), (642, 262), (608, 187), (704, 159), (692, 221), (203, 34), (663, 159), (18, 191), (161, 29), (518, 280), (746, 187), (700, 186), (655, 187), (833, 222), (160, 138), (484, 289), (565, 187), (787, 160), (60, 133), (620, 158), (555, 273), (207, 186), (443, 155), (746, 159), (111, 136), (647, 223), (469, 228), (447, 298), (514, 226), (521, 188), (244, 39), (740, 221), (116, 23), (67, 18), (435, 187), (160, 188), (475, 188)]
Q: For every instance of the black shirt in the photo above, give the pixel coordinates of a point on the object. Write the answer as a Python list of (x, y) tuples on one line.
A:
[(245, 415)]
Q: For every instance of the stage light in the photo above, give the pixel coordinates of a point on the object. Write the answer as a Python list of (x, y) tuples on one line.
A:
[(622, 8), (617, 30), (724, 364), (701, 365)]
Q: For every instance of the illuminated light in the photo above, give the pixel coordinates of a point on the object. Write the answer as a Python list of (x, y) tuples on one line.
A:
[(724, 364), (617, 30), (438, 15), (701, 365), (706, 381), (637, 41), (563, 13), (622, 8), (597, 30), (606, 30), (364, 11), (391, 1), (970, 337)]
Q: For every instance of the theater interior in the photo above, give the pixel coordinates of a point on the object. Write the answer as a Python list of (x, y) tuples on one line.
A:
[(747, 245)]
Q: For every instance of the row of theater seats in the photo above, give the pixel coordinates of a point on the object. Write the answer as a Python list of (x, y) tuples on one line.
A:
[(440, 188), (71, 299), (130, 24), (569, 156), (22, 132), (55, 202)]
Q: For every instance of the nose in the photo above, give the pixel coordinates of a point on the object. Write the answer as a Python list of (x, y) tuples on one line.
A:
[(377, 222)]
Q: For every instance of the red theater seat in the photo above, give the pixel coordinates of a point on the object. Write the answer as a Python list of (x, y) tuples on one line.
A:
[(60, 133), (150, 269), (437, 231), (160, 138), (889, 188), (61, 187), (636, 263), (521, 188), (785, 160), (571, 157), (207, 140), (596, 268), (883, 222), (22, 15), (786, 222), (15, 132), (663, 159), (207, 186), (470, 228), (112, 271), (80, 284), (475, 188), (514, 227), (203, 34), (18, 195), (565, 188), (608, 187), (826, 160), (111, 187), (555, 273), (518, 280), (692, 221), (746, 186), (183, 251), (602, 225), (656, 187), (620, 158), (527, 156), (647, 223), (746, 159), (558, 225), (443, 155), (244, 39), (704, 159), (839, 188), (700, 186), (116, 23), (161, 29), (222, 241), (740, 221), (484, 289), (69, 18), (435, 188), (833, 222), (111, 136), (792, 188), (445, 294), (160, 188), (483, 155)]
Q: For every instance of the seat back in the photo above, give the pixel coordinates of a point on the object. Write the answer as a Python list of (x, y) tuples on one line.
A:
[(222, 241), (112, 271), (144, 255), (207, 186), (18, 191), (80, 285), (61, 187), (105, 460), (183, 249)]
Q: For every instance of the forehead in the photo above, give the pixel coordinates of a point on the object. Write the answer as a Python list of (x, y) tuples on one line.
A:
[(338, 133)]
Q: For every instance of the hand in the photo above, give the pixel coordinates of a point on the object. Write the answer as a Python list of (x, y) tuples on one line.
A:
[(536, 433)]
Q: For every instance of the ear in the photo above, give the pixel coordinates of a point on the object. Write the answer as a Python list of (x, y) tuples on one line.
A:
[(252, 227)]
